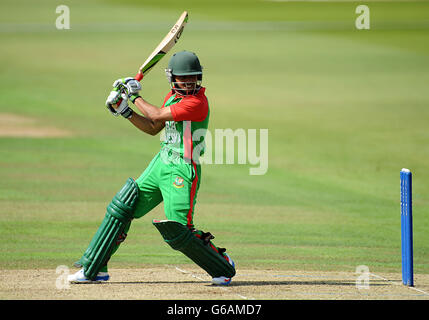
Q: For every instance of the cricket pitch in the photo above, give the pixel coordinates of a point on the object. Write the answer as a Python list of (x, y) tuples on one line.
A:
[(186, 282)]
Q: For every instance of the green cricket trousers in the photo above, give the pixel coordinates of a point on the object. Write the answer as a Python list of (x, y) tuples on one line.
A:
[(171, 179)]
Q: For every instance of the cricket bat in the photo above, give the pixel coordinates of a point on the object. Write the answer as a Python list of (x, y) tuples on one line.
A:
[(164, 46), (160, 51)]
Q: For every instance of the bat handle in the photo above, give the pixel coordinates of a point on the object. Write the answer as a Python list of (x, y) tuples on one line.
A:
[(139, 76)]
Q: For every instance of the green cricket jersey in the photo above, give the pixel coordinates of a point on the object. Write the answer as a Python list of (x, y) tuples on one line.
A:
[(184, 135)]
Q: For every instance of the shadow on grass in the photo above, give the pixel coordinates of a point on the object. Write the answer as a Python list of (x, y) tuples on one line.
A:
[(300, 283), (248, 283)]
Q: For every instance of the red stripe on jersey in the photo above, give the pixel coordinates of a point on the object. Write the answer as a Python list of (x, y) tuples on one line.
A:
[(192, 196), (188, 145)]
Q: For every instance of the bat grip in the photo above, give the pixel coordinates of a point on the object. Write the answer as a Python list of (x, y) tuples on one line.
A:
[(139, 76)]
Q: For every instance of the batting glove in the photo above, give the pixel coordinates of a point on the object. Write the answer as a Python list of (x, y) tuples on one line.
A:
[(116, 98), (130, 86)]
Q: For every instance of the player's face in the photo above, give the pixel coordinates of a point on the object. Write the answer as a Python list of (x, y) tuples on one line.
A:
[(186, 84)]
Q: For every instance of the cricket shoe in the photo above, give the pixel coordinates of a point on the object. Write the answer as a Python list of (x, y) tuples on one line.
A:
[(79, 277), (224, 281)]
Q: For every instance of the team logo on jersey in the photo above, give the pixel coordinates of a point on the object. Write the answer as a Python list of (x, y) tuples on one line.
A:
[(178, 182)]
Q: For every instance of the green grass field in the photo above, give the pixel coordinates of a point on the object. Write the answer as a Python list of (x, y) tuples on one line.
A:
[(346, 109)]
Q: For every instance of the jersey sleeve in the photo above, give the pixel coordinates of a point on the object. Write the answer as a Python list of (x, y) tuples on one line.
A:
[(192, 108), (168, 96)]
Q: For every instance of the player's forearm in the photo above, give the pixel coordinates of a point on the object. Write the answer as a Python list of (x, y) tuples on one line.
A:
[(145, 125), (152, 112), (148, 110)]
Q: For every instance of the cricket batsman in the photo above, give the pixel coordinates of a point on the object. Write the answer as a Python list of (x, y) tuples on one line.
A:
[(173, 176)]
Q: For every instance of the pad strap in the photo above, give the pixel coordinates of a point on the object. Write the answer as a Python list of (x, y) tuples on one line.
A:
[(201, 251)]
